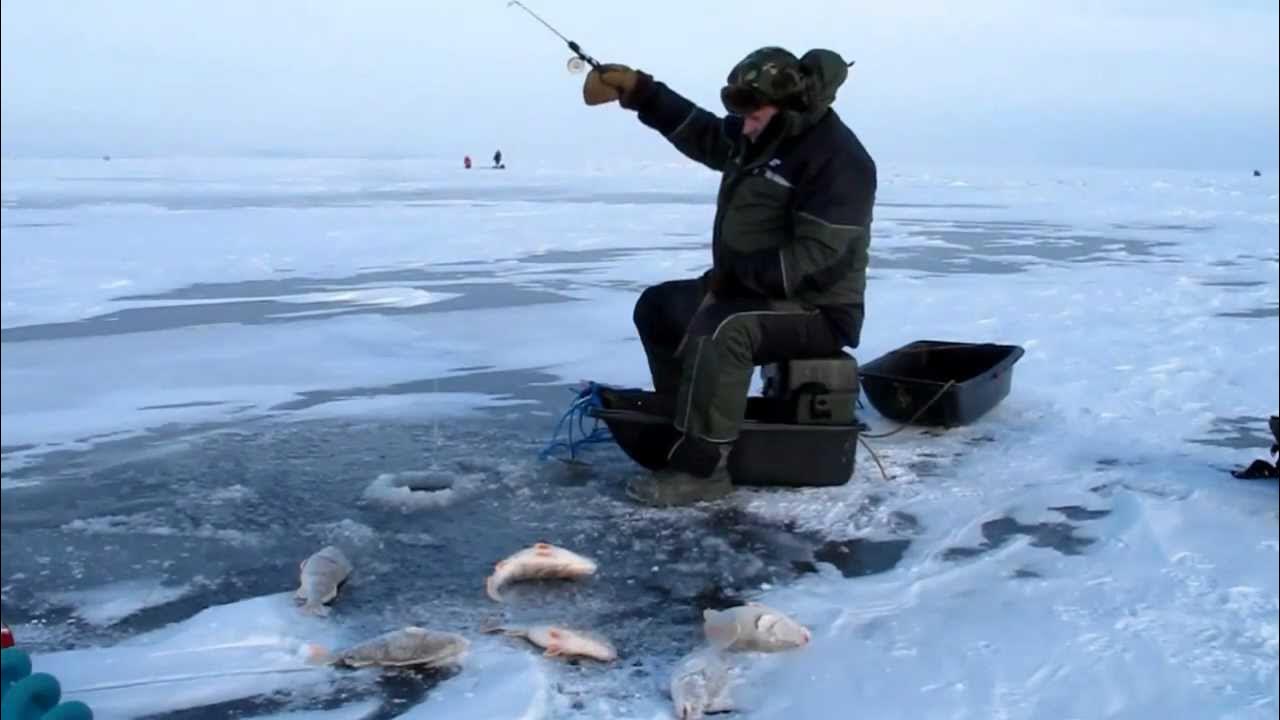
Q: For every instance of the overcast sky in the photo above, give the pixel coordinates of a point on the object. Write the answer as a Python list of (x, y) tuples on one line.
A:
[(1121, 83)]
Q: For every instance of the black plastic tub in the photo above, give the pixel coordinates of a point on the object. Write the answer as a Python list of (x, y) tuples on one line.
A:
[(767, 452), (901, 382)]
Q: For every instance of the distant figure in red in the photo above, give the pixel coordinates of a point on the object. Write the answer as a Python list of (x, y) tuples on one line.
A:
[(466, 162)]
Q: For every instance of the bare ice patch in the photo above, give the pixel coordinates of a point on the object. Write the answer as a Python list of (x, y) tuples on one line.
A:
[(109, 604), (244, 649)]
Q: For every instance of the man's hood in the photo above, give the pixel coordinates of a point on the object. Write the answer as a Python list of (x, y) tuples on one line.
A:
[(823, 72)]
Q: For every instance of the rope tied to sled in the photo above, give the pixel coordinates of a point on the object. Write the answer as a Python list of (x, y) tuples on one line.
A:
[(576, 416), (938, 395), (862, 438)]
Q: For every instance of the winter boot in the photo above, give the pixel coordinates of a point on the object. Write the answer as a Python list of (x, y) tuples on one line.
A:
[(698, 472)]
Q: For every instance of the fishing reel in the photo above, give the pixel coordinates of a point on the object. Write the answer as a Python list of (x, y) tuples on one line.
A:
[(580, 60)]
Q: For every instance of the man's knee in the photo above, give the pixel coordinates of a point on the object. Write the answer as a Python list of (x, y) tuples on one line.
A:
[(735, 339), (647, 314)]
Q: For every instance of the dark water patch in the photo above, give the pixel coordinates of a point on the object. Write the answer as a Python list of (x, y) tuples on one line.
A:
[(1077, 513), (232, 511), (963, 553), (1273, 259), (1238, 433), (427, 278), (178, 406), (1029, 227), (1105, 489), (498, 384), (995, 247), (300, 486), (472, 296), (7, 449), (58, 462), (1232, 283), (1057, 536), (398, 689), (411, 197), (1164, 227), (858, 557), (424, 196), (285, 287), (903, 523), (926, 467), (941, 206), (601, 255), (1024, 574), (33, 225), (150, 179), (1261, 313), (1110, 462)]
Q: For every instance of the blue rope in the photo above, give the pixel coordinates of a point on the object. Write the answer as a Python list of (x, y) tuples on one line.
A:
[(577, 415)]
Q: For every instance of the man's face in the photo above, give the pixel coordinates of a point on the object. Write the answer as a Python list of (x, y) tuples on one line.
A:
[(754, 122)]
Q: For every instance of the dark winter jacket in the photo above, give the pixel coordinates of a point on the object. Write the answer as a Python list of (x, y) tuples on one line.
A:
[(793, 214)]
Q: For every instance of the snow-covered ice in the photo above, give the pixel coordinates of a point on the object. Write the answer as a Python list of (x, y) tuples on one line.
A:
[(211, 366)]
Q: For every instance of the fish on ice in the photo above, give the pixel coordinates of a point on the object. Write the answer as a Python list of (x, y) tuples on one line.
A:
[(407, 646), (753, 628), (320, 577), (700, 684), (539, 562), (560, 641)]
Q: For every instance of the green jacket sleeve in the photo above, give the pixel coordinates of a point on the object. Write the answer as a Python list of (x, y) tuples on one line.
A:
[(829, 230), (700, 135)]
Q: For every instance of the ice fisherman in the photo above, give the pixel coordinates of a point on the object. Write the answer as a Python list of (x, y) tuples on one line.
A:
[(789, 248), (497, 159)]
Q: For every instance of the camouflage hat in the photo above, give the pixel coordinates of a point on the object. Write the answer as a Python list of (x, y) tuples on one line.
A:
[(770, 75)]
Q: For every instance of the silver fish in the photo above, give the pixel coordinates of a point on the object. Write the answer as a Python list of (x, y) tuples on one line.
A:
[(540, 561), (410, 645), (753, 628), (560, 641), (700, 683), (320, 577)]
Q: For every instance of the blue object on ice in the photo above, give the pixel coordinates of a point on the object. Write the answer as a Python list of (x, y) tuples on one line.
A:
[(27, 696), (14, 665), (577, 414)]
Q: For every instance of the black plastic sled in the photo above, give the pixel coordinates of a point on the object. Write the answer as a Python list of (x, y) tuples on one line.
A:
[(904, 384), (802, 432)]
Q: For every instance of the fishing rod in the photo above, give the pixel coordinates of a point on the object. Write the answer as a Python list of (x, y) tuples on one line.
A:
[(575, 63)]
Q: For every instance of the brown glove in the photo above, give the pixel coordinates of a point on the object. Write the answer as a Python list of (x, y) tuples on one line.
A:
[(608, 83)]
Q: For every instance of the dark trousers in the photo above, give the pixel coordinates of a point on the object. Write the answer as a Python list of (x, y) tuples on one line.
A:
[(709, 372)]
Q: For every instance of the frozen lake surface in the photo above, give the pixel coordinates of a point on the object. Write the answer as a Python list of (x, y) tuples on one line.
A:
[(211, 368)]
